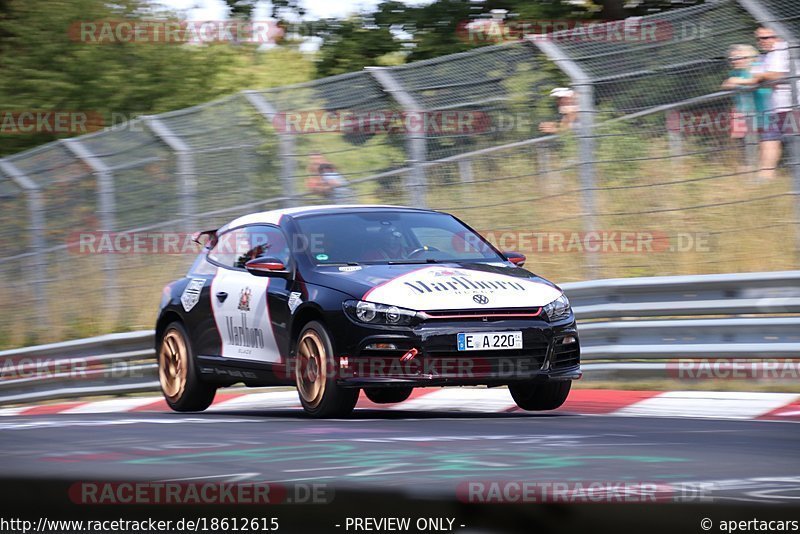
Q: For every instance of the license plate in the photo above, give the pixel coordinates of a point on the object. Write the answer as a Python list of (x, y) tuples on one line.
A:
[(490, 341)]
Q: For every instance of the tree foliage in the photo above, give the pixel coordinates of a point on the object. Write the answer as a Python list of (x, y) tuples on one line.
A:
[(437, 28), (44, 68), (241, 8)]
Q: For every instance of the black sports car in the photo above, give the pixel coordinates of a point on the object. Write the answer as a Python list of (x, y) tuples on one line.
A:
[(336, 299)]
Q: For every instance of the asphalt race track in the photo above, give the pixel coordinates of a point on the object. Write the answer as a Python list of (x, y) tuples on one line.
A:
[(419, 453)]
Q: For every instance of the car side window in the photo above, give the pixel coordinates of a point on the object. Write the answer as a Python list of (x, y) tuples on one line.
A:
[(261, 241), (236, 247)]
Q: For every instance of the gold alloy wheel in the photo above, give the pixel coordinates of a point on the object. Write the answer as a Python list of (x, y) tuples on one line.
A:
[(311, 369), (173, 363)]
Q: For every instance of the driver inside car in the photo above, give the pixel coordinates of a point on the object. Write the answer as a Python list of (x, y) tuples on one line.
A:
[(390, 248)]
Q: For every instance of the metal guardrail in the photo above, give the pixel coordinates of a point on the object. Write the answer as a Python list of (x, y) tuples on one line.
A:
[(734, 296), (699, 318), (112, 364), (697, 295)]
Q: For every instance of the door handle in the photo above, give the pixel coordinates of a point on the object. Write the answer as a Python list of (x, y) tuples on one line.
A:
[(222, 296)]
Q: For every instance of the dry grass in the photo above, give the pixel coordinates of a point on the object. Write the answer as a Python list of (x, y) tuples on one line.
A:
[(700, 197)]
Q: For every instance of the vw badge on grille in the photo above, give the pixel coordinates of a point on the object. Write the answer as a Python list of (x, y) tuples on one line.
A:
[(480, 299)]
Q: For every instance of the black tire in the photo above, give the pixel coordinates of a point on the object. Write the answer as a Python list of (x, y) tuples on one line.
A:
[(180, 383), (316, 384), (542, 396), (387, 395)]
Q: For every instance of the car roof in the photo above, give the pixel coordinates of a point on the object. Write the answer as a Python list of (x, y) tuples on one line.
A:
[(274, 216)]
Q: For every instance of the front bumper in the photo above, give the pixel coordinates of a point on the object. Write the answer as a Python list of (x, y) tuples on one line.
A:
[(549, 352)]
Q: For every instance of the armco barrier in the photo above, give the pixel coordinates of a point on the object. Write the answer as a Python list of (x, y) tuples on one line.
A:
[(621, 321)]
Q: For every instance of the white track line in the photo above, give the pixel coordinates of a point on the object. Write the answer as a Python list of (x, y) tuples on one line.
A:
[(692, 404), (13, 411), (460, 399), (709, 404), (112, 405), (259, 401)]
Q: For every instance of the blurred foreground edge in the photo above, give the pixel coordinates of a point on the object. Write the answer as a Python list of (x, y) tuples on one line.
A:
[(32, 499)]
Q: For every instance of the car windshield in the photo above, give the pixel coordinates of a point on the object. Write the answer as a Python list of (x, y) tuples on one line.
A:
[(391, 237)]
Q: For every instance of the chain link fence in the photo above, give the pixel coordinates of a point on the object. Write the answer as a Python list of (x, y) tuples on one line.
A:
[(637, 185)]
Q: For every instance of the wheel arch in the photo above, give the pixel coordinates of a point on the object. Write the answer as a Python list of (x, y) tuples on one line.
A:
[(304, 315), (167, 317)]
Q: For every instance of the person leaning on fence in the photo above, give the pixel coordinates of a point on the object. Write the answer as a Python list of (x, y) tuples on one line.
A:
[(314, 180), (772, 71), (749, 107), (567, 110), (332, 185), (323, 180)]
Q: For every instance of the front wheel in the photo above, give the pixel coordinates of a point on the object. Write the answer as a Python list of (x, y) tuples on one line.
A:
[(182, 388), (315, 375), (542, 396)]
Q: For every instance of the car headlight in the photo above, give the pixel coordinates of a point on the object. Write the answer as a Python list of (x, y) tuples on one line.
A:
[(372, 313), (558, 309)]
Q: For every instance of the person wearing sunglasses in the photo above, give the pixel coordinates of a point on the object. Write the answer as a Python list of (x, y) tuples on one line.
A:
[(774, 69)]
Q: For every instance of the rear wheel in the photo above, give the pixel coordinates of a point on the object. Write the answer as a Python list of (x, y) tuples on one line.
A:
[(315, 375), (387, 395), (182, 388), (541, 396)]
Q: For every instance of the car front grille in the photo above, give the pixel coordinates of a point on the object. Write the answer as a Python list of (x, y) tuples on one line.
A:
[(496, 314), (566, 355), (444, 362)]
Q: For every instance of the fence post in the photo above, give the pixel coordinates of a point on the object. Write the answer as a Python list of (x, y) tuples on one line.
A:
[(106, 209), (583, 85), (416, 141), (674, 138), (764, 16), (465, 171), (286, 145), (36, 222), (187, 191)]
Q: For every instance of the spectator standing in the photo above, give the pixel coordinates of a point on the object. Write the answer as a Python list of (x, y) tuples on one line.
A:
[(567, 121), (773, 71), (749, 107), (314, 180), (567, 110), (333, 185)]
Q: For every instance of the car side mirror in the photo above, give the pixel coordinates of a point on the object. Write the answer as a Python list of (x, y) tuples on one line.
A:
[(266, 266), (516, 258)]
